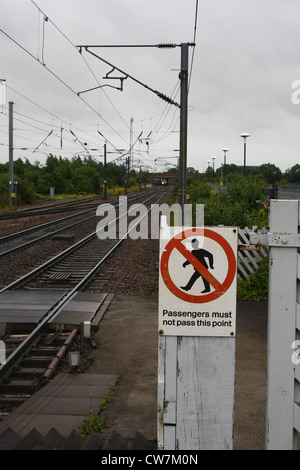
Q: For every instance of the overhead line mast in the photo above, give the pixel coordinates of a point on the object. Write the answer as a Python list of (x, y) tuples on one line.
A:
[(183, 76)]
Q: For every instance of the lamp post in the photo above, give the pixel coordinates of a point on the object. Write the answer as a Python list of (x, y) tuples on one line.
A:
[(213, 159), (224, 166), (245, 137)]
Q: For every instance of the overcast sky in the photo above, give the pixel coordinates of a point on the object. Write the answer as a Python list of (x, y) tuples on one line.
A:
[(245, 64)]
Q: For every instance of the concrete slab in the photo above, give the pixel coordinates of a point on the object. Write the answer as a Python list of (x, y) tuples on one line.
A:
[(67, 405), (23, 424), (127, 340), (63, 404), (23, 306), (82, 307), (82, 391), (30, 296)]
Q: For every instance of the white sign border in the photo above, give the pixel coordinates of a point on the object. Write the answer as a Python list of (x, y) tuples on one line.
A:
[(216, 318)]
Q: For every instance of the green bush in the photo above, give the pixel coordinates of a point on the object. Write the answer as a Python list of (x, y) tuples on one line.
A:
[(234, 207)]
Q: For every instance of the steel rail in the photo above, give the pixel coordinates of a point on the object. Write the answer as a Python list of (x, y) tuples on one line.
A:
[(40, 227), (46, 209), (52, 222), (22, 280), (16, 357)]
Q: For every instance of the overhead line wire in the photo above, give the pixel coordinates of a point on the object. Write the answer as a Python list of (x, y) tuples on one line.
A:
[(47, 111), (84, 59), (60, 80), (194, 42)]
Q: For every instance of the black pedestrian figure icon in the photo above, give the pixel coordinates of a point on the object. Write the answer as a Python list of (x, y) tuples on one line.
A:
[(200, 254)]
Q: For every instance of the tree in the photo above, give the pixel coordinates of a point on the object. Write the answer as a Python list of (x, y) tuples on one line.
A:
[(293, 174), (270, 172)]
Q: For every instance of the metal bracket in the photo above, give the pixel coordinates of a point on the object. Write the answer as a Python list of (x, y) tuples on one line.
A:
[(248, 247), (275, 239)]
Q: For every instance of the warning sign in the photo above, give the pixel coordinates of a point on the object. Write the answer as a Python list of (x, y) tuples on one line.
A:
[(197, 282)]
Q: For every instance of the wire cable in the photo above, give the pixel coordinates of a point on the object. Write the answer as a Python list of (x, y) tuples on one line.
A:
[(83, 58), (194, 42), (60, 80)]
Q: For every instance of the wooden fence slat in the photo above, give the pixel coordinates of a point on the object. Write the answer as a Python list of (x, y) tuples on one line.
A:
[(244, 261), (243, 271), (246, 254), (248, 261)]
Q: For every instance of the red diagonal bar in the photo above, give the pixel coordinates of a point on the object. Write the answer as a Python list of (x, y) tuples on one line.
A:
[(198, 266)]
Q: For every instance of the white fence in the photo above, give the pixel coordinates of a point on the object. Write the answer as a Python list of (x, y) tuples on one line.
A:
[(248, 261), (283, 362), (194, 371)]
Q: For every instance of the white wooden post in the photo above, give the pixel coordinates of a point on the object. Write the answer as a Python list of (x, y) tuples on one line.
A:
[(196, 393), (196, 378), (280, 432), (205, 393)]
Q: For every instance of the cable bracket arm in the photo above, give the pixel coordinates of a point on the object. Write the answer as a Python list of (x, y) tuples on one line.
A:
[(126, 75)]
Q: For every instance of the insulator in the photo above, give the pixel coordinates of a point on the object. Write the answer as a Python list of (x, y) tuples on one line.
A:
[(166, 98), (166, 46)]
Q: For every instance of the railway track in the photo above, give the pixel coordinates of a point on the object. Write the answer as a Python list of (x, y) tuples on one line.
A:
[(30, 236), (52, 208), (70, 272), (31, 373)]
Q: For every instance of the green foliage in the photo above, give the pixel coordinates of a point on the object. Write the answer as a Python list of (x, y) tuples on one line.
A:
[(270, 172), (293, 174), (256, 286), (75, 176), (235, 206), (3, 188), (94, 423)]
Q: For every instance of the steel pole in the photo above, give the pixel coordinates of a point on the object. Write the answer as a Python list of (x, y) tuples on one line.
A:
[(183, 127), (104, 168), (10, 146), (244, 157)]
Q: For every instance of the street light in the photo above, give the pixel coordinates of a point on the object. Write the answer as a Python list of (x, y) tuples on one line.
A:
[(224, 166), (245, 137), (213, 159)]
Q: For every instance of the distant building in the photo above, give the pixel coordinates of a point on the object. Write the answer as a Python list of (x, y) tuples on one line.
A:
[(160, 179)]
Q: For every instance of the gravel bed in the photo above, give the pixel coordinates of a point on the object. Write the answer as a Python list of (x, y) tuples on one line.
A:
[(18, 264), (132, 269)]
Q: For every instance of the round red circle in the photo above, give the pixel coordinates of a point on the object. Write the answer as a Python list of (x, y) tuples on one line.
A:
[(198, 298)]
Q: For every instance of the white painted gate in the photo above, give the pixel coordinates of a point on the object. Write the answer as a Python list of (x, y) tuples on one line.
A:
[(283, 360)]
